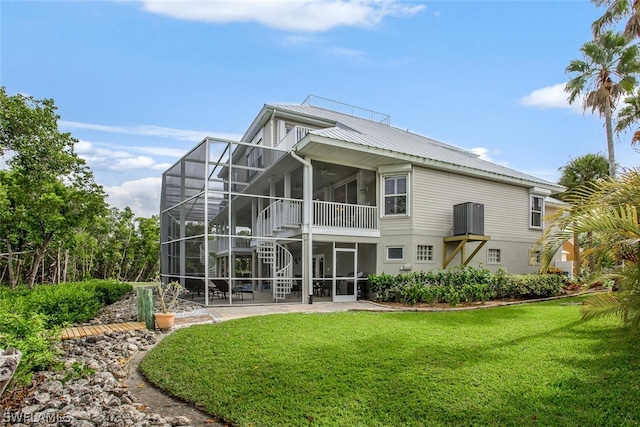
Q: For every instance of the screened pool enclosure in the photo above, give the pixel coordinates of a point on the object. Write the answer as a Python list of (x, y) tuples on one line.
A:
[(217, 239)]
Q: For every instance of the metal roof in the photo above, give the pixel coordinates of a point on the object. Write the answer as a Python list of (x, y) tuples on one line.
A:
[(384, 137)]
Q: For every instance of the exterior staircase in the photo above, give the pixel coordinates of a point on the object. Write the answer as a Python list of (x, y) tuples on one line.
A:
[(212, 259), (281, 260)]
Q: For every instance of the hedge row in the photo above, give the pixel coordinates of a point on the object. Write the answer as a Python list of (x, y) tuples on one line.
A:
[(31, 319), (469, 284)]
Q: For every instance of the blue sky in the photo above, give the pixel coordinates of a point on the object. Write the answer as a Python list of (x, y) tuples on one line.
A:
[(139, 83)]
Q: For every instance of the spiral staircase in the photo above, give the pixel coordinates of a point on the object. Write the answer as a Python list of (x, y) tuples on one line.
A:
[(273, 218)]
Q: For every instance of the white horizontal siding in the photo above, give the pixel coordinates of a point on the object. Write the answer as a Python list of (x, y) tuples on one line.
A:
[(506, 207)]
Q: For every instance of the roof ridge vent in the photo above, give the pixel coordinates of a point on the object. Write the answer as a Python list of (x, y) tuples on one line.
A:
[(346, 109)]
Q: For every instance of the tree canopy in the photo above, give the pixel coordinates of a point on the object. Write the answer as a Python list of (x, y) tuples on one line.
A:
[(51, 207)]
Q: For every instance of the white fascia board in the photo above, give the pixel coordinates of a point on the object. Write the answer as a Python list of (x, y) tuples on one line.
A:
[(540, 191)]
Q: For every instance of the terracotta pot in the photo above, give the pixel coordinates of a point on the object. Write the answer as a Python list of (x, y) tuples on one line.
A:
[(164, 321)]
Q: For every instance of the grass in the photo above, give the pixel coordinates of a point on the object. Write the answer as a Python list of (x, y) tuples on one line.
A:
[(524, 365)]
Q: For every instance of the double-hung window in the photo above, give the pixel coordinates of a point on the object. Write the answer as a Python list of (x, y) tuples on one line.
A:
[(395, 195), (536, 211)]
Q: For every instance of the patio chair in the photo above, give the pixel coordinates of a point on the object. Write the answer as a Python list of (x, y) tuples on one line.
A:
[(223, 288), (194, 286)]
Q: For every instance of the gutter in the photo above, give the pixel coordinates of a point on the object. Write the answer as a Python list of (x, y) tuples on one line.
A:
[(307, 198)]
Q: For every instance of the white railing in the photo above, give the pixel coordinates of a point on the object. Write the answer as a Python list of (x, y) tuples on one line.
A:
[(278, 215), (213, 247), (236, 242), (343, 215), (288, 214), (293, 136)]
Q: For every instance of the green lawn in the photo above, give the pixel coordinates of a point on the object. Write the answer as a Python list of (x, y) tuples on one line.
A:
[(526, 365)]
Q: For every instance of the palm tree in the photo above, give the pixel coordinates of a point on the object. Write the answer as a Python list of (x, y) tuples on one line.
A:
[(616, 11), (610, 209), (578, 173), (628, 115), (608, 71)]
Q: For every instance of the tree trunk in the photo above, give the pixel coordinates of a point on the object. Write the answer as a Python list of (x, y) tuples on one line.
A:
[(39, 256), (140, 274), (34, 268), (12, 280), (576, 256), (609, 127), (66, 265)]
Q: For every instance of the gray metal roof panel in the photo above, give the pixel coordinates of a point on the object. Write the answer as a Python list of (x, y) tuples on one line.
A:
[(367, 133)]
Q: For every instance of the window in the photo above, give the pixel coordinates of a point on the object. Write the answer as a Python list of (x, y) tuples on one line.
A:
[(494, 256), (424, 253), (395, 252), (395, 195), (346, 193), (537, 206)]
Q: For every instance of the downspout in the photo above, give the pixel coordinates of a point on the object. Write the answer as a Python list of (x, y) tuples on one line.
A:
[(273, 134), (307, 221)]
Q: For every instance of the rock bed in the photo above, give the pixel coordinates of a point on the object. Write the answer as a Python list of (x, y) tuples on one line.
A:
[(89, 390)]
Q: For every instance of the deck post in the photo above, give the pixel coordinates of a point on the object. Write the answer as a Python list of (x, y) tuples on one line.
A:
[(144, 298)]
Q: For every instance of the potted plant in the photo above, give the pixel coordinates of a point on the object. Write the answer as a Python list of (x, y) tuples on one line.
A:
[(168, 294)]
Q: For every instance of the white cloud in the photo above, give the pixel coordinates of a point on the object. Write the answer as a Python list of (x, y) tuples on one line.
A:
[(148, 130), (111, 157), (299, 16), (483, 153), (551, 97), (141, 195)]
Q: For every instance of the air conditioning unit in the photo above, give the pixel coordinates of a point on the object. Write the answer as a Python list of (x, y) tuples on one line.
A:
[(468, 218)]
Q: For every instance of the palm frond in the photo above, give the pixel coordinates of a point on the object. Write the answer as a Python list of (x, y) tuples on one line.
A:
[(601, 305), (616, 11)]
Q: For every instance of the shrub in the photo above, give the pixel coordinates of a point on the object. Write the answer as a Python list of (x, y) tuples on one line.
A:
[(468, 284), (30, 319), (64, 304), (110, 292), (535, 285), (27, 333)]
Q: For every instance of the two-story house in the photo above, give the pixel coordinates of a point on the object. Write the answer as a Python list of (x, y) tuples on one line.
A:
[(316, 196)]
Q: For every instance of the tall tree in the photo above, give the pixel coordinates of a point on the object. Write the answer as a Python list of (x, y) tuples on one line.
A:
[(630, 115), (616, 11), (50, 190), (577, 174), (607, 71)]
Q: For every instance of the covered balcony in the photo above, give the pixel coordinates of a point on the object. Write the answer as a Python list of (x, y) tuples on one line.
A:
[(328, 218)]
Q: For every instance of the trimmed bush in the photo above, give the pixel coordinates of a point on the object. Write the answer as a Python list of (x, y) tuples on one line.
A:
[(536, 285), (455, 285), (110, 292), (64, 304)]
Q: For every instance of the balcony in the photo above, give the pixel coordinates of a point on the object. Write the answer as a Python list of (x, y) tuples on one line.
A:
[(293, 136), (328, 218), (343, 215)]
